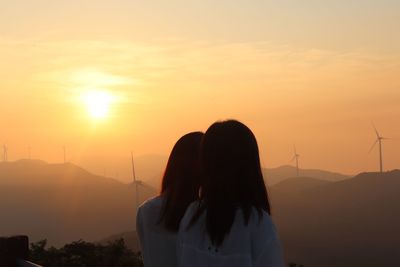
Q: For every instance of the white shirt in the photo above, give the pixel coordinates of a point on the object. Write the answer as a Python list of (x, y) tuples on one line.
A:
[(254, 245), (158, 245)]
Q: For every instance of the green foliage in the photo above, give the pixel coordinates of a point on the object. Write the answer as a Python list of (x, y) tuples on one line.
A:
[(85, 254)]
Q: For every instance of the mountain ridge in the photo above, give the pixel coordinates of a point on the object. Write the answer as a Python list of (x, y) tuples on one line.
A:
[(321, 222), (35, 172), (64, 202), (341, 223)]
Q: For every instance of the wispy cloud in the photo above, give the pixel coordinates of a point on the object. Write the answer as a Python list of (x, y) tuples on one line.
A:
[(204, 66)]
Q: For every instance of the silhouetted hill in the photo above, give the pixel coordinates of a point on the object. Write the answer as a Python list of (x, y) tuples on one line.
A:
[(295, 185), (36, 172), (354, 222), (346, 223), (64, 203), (272, 176), (275, 175)]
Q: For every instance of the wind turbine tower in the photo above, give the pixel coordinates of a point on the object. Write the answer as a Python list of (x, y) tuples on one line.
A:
[(136, 183), (5, 153), (296, 158), (65, 154), (379, 140)]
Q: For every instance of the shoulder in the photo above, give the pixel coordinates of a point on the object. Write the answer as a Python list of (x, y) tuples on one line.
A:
[(261, 223), (151, 204), (155, 201)]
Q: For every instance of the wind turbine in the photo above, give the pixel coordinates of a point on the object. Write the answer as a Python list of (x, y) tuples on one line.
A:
[(5, 153), (378, 140), (296, 158), (136, 183)]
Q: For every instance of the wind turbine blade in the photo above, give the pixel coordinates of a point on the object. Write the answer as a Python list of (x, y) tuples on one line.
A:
[(372, 147), (133, 168), (376, 131)]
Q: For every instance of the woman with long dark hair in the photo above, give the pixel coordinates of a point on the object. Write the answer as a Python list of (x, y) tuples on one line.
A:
[(230, 225), (158, 219)]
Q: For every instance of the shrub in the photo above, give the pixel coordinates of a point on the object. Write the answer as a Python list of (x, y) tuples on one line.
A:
[(85, 254)]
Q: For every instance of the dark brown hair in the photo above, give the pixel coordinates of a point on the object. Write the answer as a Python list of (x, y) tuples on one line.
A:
[(180, 183), (232, 178)]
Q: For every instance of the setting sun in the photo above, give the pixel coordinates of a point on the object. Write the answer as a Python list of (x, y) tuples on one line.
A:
[(98, 103)]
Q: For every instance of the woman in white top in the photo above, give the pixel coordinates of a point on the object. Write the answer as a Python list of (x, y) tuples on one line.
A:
[(230, 225), (158, 219)]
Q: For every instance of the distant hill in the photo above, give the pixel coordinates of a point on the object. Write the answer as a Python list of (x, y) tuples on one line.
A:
[(64, 203), (329, 221), (295, 185), (37, 172), (273, 176), (354, 222)]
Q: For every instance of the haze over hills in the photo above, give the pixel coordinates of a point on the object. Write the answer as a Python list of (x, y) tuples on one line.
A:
[(150, 168), (37, 173), (64, 203), (345, 222), (354, 222), (275, 175), (296, 185), (272, 176)]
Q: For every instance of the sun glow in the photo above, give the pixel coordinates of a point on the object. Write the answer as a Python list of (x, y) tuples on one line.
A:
[(98, 103)]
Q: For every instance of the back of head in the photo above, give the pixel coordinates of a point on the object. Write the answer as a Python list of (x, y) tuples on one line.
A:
[(180, 183), (232, 177)]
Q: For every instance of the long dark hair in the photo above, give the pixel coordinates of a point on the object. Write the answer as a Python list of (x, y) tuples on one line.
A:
[(232, 178), (180, 183)]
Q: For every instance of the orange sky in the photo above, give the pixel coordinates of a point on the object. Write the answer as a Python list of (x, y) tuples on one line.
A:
[(307, 74)]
